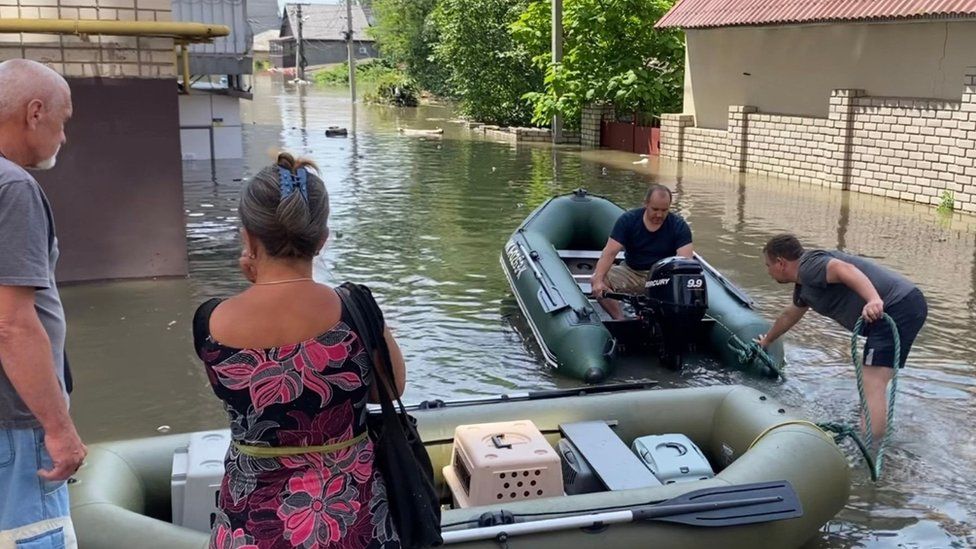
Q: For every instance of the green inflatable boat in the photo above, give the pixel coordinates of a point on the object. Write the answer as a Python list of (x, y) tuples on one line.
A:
[(549, 260), (609, 467)]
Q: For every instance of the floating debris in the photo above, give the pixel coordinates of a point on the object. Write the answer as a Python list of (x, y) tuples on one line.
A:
[(336, 131), (408, 131)]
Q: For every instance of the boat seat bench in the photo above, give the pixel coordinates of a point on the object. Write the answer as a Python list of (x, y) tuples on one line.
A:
[(617, 467), (584, 254)]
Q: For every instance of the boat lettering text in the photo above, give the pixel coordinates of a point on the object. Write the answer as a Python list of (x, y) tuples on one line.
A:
[(515, 259), (658, 282), (696, 282)]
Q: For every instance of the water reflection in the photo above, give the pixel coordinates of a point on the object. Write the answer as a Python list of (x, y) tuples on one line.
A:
[(421, 219)]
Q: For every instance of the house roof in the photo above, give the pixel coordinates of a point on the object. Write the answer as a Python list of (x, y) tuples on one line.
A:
[(263, 15), (324, 22), (699, 14)]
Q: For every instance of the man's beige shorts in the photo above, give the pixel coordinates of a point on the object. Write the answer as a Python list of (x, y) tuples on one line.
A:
[(623, 279)]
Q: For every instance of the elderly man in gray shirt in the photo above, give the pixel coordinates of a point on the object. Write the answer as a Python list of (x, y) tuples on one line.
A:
[(39, 446), (846, 287)]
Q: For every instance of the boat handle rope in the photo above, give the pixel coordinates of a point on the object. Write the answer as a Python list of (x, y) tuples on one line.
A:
[(775, 426)]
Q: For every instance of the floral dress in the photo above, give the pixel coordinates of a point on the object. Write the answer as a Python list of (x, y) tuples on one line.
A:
[(309, 394)]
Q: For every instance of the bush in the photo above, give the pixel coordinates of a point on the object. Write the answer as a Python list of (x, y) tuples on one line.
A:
[(393, 88)]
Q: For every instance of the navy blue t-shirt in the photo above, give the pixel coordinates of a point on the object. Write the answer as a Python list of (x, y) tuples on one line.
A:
[(644, 248)]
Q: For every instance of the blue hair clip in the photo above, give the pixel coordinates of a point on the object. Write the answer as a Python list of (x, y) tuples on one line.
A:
[(290, 182)]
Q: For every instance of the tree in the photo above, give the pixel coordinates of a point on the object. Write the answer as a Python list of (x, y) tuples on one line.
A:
[(612, 53), (406, 36), (488, 71)]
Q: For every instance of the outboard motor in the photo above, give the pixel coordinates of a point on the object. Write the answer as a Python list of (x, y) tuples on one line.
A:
[(677, 298)]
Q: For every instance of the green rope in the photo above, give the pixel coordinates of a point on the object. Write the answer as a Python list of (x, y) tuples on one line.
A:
[(841, 432), (875, 463), (878, 463), (750, 352)]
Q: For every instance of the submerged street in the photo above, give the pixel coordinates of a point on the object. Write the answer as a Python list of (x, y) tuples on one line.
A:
[(422, 219)]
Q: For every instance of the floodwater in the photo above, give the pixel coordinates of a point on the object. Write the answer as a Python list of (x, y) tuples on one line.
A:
[(422, 220)]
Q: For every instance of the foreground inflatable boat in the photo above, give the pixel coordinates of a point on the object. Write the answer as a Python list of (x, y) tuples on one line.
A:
[(122, 497), (549, 260)]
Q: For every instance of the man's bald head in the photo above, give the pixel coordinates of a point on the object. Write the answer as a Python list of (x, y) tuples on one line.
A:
[(23, 80), (35, 104)]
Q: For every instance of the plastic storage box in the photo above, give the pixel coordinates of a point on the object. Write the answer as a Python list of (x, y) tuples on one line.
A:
[(498, 462), (673, 458), (197, 472)]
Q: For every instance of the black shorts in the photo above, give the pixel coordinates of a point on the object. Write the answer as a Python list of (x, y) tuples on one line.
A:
[(909, 314)]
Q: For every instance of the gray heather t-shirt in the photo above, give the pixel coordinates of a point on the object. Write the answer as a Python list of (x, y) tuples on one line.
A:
[(28, 255), (837, 301)]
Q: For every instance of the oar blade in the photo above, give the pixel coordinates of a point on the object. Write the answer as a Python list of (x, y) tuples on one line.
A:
[(729, 506)]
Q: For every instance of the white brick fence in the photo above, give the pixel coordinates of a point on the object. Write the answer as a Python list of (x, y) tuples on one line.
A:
[(912, 149)]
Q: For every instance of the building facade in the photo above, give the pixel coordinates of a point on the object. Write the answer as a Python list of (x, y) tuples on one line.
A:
[(880, 100)]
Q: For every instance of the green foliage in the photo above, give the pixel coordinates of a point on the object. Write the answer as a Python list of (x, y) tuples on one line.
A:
[(406, 36), (365, 72), (262, 65), (611, 53), (489, 72), (948, 203)]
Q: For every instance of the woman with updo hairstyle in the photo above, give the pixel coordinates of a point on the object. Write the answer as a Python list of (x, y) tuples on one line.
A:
[(295, 380)]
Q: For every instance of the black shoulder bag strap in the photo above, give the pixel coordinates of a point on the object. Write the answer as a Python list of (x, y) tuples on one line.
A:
[(371, 331)]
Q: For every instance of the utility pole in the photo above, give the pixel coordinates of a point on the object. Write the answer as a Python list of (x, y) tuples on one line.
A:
[(557, 57), (300, 50), (350, 51)]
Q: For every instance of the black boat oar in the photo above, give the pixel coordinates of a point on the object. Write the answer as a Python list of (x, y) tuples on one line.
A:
[(549, 296), (709, 507), (535, 395)]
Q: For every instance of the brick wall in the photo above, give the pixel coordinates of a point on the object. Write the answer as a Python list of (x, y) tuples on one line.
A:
[(705, 146), (105, 56), (915, 149), (912, 149), (787, 145), (527, 135), (590, 124)]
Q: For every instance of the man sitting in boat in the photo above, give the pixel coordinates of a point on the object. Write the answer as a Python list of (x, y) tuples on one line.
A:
[(646, 235), (846, 287)]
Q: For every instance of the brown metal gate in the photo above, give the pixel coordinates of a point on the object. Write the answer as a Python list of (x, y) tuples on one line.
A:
[(630, 137)]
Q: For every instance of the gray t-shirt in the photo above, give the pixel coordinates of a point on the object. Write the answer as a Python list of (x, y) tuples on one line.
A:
[(28, 255), (837, 301)]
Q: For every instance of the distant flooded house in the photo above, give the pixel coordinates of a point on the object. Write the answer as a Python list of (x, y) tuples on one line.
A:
[(877, 97), (323, 35)]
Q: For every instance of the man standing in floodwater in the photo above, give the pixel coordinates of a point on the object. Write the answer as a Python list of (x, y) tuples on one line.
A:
[(39, 446), (845, 287)]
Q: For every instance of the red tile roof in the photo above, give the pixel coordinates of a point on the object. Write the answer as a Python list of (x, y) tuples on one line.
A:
[(697, 14)]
